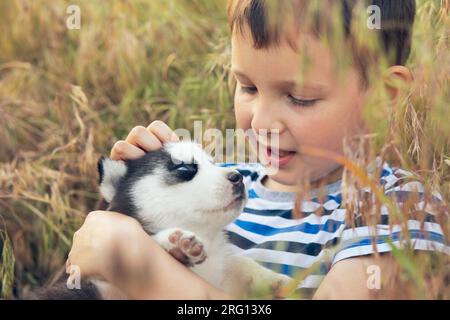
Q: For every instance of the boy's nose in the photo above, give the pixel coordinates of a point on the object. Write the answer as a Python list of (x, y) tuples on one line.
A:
[(264, 121)]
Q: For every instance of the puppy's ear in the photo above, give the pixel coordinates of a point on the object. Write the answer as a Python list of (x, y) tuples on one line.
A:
[(110, 173)]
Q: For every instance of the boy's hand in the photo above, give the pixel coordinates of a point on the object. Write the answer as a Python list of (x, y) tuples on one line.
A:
[(114, 247), (104, 239), (141, 140)]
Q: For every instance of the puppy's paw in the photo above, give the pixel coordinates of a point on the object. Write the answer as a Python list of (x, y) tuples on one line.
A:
[(187, 247), (183, 245), (279, 285), (249, 279), (269, 284)]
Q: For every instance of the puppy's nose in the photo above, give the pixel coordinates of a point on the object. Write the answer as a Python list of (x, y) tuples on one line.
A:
[(234, 177)]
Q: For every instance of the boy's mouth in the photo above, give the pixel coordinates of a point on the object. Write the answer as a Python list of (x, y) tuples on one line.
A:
[(279, 157)]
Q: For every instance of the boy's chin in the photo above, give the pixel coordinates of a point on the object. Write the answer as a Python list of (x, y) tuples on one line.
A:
[(282, 176)]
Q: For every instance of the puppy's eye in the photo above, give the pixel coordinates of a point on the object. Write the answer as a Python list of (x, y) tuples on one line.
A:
[(186, 171), (185, 167)]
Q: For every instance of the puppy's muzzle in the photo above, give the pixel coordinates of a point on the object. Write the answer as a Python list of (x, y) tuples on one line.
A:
[(236, 180)]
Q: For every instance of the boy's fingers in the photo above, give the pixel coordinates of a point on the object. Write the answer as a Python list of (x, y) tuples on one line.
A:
[(123, 150), (162, 131), (142, 138)]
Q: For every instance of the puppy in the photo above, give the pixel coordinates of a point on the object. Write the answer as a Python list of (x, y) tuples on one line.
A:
[(184, 202), (182, 199)]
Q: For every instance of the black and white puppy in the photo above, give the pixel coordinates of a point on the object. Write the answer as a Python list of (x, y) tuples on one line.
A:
[(184, 202), (182, 199)]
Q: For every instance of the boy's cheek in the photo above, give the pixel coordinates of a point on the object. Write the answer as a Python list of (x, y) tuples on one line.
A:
[(243, 115)]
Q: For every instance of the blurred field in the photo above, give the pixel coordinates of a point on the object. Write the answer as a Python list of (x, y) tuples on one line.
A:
[(67, 95)]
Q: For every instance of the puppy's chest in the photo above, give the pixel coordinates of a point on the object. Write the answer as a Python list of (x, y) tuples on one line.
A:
[(215, 268)]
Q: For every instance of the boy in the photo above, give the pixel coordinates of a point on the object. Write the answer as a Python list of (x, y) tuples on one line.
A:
[(321, 110)]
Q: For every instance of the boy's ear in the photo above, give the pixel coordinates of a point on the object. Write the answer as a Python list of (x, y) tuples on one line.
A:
[(399, 80), (110, 173)]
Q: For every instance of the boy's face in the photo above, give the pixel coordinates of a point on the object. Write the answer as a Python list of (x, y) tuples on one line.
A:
[(320, 112)]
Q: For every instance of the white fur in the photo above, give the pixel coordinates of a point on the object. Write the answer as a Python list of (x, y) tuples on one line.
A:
[(113, 171)]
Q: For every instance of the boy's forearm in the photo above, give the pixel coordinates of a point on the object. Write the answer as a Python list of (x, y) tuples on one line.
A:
[(163, 277), (176, 285)]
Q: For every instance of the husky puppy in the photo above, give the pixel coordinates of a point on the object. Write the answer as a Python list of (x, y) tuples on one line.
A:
[(182, 199), (184, 202)]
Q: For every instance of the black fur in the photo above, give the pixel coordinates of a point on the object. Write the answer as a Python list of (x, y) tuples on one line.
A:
[(177, 172), (136, 169), (100, 169)]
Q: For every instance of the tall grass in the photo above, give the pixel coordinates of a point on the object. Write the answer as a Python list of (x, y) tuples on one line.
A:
[(67, 95)]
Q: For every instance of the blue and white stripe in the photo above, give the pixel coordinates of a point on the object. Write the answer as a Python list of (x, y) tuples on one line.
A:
[(267, 231)]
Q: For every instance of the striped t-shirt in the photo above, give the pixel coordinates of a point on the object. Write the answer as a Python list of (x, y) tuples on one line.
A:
[(267, 231)]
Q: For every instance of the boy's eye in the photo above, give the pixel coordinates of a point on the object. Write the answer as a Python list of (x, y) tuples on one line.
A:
[(292, 99), (302, 102), (249, 89)]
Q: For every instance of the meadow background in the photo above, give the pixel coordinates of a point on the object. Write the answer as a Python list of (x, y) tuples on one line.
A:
[(67, 95)]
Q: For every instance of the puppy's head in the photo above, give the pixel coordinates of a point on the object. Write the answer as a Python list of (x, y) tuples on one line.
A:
[(177, 186)]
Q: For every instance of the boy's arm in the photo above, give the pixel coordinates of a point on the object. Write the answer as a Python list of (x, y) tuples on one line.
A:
[(114, 247), (356, 278), (168, 279)]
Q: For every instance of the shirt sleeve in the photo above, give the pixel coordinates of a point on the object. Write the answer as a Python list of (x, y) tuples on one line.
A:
[(421, 230)]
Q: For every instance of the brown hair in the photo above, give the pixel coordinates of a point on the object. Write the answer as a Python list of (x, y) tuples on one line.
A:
[(397, 19)]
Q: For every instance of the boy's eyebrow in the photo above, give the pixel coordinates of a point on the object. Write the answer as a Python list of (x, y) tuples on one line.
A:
[(287, 84), (240, 74)]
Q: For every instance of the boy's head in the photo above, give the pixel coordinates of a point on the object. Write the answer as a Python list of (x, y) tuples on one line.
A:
[(288, 78)]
